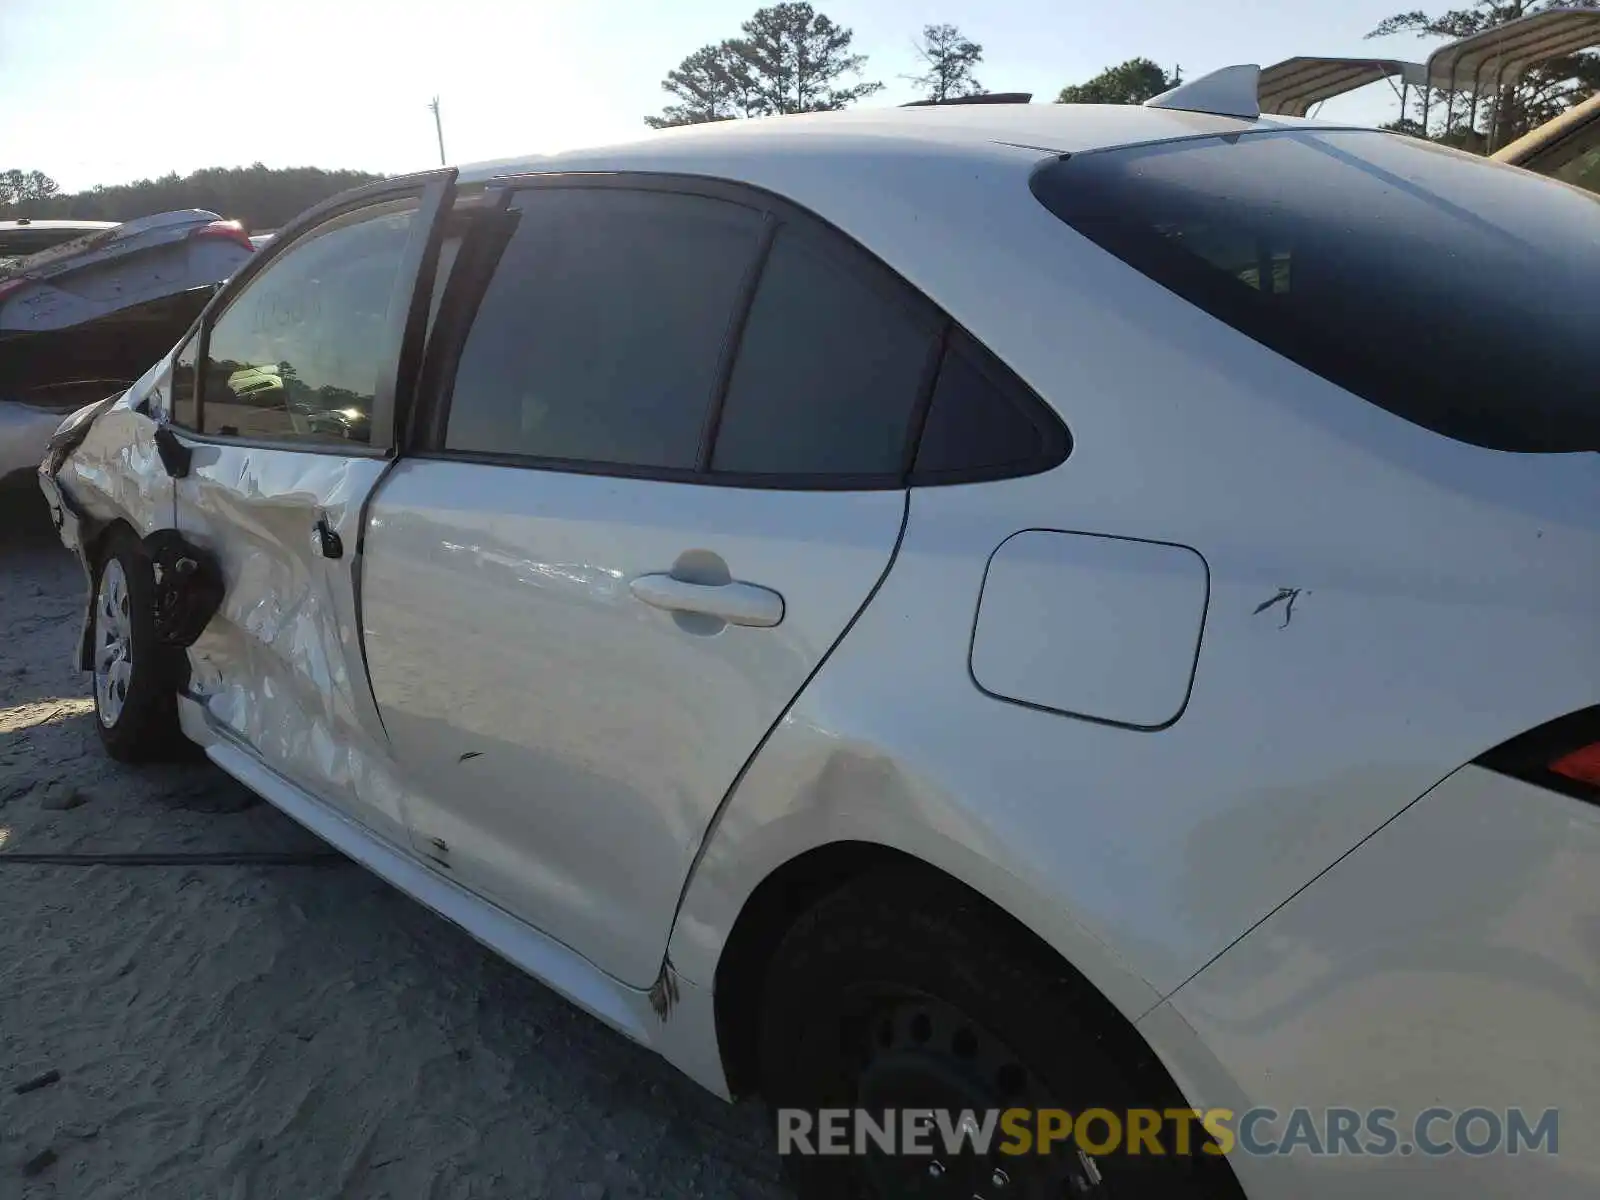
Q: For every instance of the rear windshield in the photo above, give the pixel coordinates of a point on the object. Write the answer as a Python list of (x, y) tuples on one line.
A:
[(19, 243), (1459, 294)]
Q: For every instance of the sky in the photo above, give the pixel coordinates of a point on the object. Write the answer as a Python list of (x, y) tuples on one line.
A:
[(107, 91)]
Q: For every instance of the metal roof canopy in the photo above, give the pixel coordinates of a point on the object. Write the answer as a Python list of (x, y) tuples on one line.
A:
[(1487, 61), (1292, 86)]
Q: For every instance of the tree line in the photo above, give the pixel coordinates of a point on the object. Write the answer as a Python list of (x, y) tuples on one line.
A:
[(259, 196), (790, 58)]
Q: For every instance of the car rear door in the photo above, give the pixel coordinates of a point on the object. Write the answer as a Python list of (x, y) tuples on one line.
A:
[(298, 378), (665, 468)]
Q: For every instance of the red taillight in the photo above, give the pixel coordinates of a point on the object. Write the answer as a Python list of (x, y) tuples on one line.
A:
[(10, 285), (227, 231), (1582, 765)]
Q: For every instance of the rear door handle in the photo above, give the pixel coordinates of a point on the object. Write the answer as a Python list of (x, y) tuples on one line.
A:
[(736, 603)]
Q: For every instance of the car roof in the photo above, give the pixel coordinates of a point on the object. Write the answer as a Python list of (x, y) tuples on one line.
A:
[(978, 130)]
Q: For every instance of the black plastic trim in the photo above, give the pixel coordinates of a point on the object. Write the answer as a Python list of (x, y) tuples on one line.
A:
[(476, 260), (728, 356)]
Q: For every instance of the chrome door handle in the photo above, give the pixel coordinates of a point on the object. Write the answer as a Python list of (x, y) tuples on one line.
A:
[(736, 603)]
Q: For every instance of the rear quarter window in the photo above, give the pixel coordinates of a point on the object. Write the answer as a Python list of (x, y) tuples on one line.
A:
[(1459, 294)]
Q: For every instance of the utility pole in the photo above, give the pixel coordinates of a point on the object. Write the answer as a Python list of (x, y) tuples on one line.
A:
[(438, 127)]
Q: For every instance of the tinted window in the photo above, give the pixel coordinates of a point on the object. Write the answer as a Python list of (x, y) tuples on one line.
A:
[(1456, 293), (835, 353), (601, 334), (297, 356), (21, 242), (984, 422), (183, 385)]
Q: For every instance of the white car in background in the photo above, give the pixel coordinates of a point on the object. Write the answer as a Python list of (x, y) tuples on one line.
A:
[(962, 608)]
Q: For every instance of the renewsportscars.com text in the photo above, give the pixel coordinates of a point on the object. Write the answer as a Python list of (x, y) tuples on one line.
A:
[(1432, 1132)]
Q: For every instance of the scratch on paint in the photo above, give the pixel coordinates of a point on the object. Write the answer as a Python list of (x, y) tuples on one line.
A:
[(1286, 597)]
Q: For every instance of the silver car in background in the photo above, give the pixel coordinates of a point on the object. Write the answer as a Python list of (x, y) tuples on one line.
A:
[(91, 305)]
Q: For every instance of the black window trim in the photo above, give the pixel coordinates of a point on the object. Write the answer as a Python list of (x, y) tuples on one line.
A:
[(434, 191), (191, 337), (728, 354), (465, 290)]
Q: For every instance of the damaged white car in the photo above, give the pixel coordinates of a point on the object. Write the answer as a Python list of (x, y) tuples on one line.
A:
[(1006, 607)]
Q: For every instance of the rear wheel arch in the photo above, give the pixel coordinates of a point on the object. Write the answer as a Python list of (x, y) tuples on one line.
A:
[(784, 898), (769, 912)]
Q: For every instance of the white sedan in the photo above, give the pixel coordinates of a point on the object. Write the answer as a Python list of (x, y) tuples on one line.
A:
[(1065, 615)]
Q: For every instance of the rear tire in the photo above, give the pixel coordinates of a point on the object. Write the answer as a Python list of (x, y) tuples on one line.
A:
[(135, 678), (900, 992)]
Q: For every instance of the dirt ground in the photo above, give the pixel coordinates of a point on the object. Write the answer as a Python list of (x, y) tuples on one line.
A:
[(301, 1030)]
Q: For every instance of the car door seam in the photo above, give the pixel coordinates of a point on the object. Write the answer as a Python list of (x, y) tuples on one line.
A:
[(358, 566), (722, 805)]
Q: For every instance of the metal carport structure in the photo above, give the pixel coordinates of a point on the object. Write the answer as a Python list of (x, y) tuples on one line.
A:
[(1480, 64), (1488, 61), (1292, 86)]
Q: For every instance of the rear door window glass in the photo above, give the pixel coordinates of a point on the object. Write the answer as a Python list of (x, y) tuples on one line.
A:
[(1458, 294), (835, 355), (600, 338)]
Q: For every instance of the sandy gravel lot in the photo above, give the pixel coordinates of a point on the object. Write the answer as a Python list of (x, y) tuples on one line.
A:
[(227, 1031)]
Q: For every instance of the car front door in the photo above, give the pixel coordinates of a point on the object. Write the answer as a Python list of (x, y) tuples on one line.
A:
[(303, 366), (664, 470)]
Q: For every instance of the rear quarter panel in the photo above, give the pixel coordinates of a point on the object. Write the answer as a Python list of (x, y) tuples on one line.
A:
[(1444, 600)]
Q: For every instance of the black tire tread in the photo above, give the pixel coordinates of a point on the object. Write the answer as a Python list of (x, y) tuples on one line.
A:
[(925, 929)]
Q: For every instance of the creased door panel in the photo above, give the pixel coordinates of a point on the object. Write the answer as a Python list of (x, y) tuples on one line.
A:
[(280, 665)]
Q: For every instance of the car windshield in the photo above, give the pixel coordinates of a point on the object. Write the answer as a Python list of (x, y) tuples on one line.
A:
[(1459, 294)]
